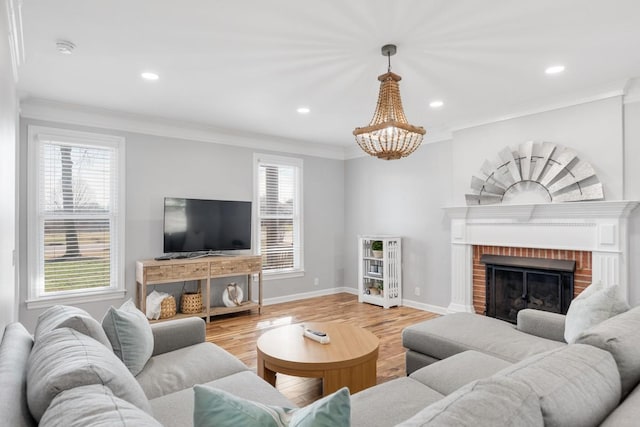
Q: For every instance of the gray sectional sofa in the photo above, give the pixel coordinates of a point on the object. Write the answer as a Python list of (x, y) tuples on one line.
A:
[(467, 369), (464, 370)]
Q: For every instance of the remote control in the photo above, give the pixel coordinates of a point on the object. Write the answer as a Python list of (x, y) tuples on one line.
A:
[(318, 333), (322, 339)]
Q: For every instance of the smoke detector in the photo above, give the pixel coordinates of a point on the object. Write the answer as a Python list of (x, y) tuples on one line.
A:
[(65, 47)]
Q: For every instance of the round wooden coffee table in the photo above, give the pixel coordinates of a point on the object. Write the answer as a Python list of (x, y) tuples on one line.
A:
[(349, 360)]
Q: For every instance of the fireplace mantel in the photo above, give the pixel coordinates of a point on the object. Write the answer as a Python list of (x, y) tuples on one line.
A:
[(599, 227)]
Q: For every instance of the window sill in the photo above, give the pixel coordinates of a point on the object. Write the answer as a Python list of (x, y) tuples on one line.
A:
[(50, 301), (282, 275)]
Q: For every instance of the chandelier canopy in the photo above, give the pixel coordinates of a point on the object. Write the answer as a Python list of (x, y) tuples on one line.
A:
[(389, 135)]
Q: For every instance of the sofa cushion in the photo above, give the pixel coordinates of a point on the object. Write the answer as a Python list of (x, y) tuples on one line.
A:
[(64, 359), (577, 385), (218, 408), (620, 336), (489, 402), (176, 409), (130, 335), (542, 324), (183, 368), (627, 413), (94, 405), (373, 407), (14, 353), (594, 305), (64, 316), (454, 333), (450, 374)]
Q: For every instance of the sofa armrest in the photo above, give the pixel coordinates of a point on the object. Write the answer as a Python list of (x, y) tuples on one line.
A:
[(542, 324), (175, 334)]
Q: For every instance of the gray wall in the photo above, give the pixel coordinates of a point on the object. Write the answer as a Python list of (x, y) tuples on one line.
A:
[(157, 167), (8, 126), (404, 198), (593, 130), (632, 192)]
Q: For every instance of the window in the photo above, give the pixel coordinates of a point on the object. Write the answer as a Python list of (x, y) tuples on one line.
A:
[(278, 207), (76, 214)]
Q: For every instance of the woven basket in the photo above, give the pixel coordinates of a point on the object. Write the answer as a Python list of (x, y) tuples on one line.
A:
[(191, 302), (168, 307)]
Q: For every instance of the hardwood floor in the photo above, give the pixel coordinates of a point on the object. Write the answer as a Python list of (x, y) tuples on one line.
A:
[(238, 334)]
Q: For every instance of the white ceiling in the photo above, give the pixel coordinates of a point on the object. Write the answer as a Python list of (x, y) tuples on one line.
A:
[(248, 64)]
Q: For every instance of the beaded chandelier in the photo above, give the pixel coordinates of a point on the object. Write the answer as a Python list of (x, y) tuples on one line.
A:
[(389, 135)]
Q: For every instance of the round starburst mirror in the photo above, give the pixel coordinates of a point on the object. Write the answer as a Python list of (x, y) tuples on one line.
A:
[(537, 172)]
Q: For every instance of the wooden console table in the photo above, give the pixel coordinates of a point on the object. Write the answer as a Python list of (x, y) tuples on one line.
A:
[(152, 272)]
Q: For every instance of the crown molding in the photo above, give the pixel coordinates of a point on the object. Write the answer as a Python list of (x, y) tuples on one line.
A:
[(632, 91), (16, 39), (612, 90), (79, 115)]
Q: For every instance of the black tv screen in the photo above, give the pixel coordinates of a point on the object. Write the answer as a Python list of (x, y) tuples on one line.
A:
[(193, 225)]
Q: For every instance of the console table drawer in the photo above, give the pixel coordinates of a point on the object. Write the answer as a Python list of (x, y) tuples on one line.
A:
[(178, 271), (234, 267)]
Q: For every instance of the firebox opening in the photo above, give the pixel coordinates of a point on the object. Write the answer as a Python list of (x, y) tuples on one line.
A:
[(515, 283)]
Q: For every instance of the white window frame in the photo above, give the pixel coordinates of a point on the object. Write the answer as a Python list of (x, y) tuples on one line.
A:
[(268, 159), (36, 297)]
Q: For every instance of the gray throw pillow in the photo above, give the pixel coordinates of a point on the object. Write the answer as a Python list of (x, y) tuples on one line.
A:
[(64, 316), (64, 359), (620, 336), (94, 405), (489, 402), (130, 335)]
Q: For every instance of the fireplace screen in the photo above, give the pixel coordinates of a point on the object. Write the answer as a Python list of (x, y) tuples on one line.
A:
[(514, 283)]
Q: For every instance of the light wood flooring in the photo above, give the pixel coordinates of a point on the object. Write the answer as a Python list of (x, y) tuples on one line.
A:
[(238, 334)]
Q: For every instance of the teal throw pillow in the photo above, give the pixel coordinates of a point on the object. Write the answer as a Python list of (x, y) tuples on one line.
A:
[(215, 407), (130, 335)]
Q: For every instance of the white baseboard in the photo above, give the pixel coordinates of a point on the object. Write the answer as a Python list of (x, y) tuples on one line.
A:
[(305, 295), (353, 291), (425, 307)]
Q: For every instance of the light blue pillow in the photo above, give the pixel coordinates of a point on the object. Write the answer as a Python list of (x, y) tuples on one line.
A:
[(130, 335), (215, 407)]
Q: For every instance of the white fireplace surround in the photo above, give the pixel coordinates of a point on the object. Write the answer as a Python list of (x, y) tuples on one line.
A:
[(598, 227)]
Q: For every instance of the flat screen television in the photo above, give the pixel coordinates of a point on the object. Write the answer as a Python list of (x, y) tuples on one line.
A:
[(194, 225)]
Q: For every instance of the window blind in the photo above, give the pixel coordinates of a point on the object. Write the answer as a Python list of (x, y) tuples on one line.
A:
[(78, 194), (279, 216)]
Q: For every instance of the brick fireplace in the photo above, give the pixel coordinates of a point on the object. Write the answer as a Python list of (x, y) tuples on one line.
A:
[(581, 279), (594, 234)]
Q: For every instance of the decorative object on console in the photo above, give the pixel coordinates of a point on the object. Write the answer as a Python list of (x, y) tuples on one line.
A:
[(168, 307), (191, 302), (389, 135), (537, 172), (232, 295)]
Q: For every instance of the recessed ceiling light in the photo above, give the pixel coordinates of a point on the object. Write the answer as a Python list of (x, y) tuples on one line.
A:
[(303, 110), (555, 69), (150, 76), (65, 47), (436, 104)]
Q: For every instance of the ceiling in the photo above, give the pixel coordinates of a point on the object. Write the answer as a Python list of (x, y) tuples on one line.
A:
[(247, 65)]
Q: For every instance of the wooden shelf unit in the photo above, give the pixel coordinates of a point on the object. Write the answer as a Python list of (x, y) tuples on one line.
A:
[(152, 272)]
